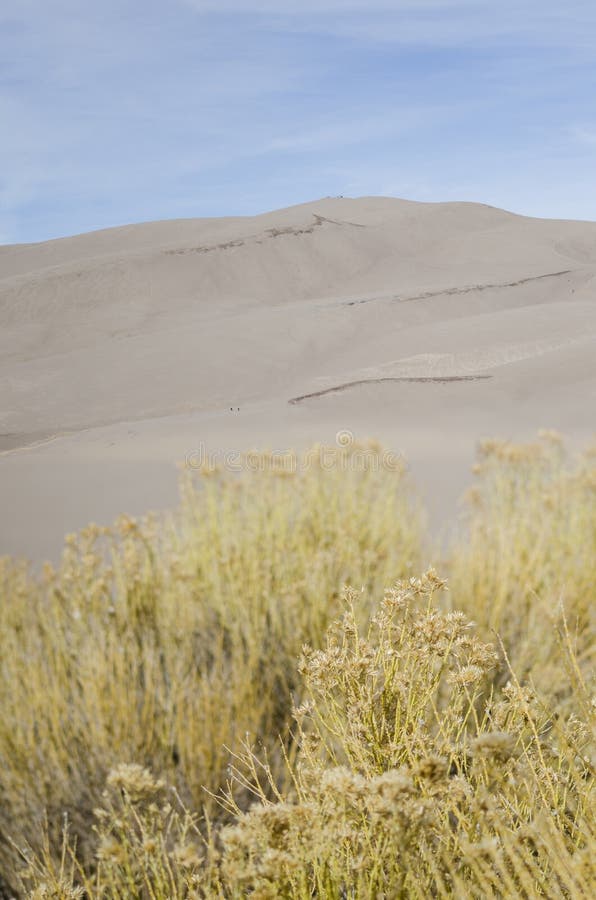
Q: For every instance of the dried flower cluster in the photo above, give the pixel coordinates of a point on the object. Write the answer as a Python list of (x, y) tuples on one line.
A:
[(159, 740), (404, 787)]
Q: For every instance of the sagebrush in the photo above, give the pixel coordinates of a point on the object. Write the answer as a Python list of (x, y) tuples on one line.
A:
[(197, 706)]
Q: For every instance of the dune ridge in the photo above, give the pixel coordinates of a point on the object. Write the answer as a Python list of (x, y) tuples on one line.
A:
[(122, 349)]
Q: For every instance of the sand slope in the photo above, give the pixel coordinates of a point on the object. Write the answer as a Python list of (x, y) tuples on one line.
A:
[(427, 325)]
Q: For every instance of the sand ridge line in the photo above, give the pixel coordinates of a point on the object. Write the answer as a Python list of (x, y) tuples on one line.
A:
[(269, 233), (466, 289), (39, 442), (133, 421), (321, 219), (417, 379)]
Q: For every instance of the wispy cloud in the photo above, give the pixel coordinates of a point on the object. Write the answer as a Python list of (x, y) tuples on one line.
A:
[(363, 128), (134, 109), (423, 22), (323, 7)]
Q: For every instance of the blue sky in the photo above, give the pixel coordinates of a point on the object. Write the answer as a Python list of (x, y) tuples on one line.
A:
[(129, 110)]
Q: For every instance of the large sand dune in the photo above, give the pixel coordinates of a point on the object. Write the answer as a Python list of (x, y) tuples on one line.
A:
[(426, 325)]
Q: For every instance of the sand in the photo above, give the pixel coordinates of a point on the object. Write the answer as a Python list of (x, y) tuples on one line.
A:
[(428, 326)]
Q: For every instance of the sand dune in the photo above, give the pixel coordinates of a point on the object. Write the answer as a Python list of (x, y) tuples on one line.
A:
[(426, 325)]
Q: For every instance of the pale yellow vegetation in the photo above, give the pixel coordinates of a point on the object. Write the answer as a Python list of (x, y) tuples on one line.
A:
[(198, 707)]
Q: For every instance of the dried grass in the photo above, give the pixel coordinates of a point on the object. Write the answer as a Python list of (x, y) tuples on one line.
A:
[(197, 708)]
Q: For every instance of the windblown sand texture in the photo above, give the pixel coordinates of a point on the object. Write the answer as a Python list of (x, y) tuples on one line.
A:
[(428, 326)]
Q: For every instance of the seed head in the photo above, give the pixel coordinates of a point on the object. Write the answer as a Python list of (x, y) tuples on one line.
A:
[(496, 744), (135, 781)]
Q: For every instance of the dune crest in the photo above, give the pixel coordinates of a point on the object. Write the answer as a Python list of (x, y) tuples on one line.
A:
[(121, 349)]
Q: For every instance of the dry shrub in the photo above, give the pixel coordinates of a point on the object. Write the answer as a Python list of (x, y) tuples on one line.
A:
[(166, 642), (411, 753), (413, 779), (528, 555)]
